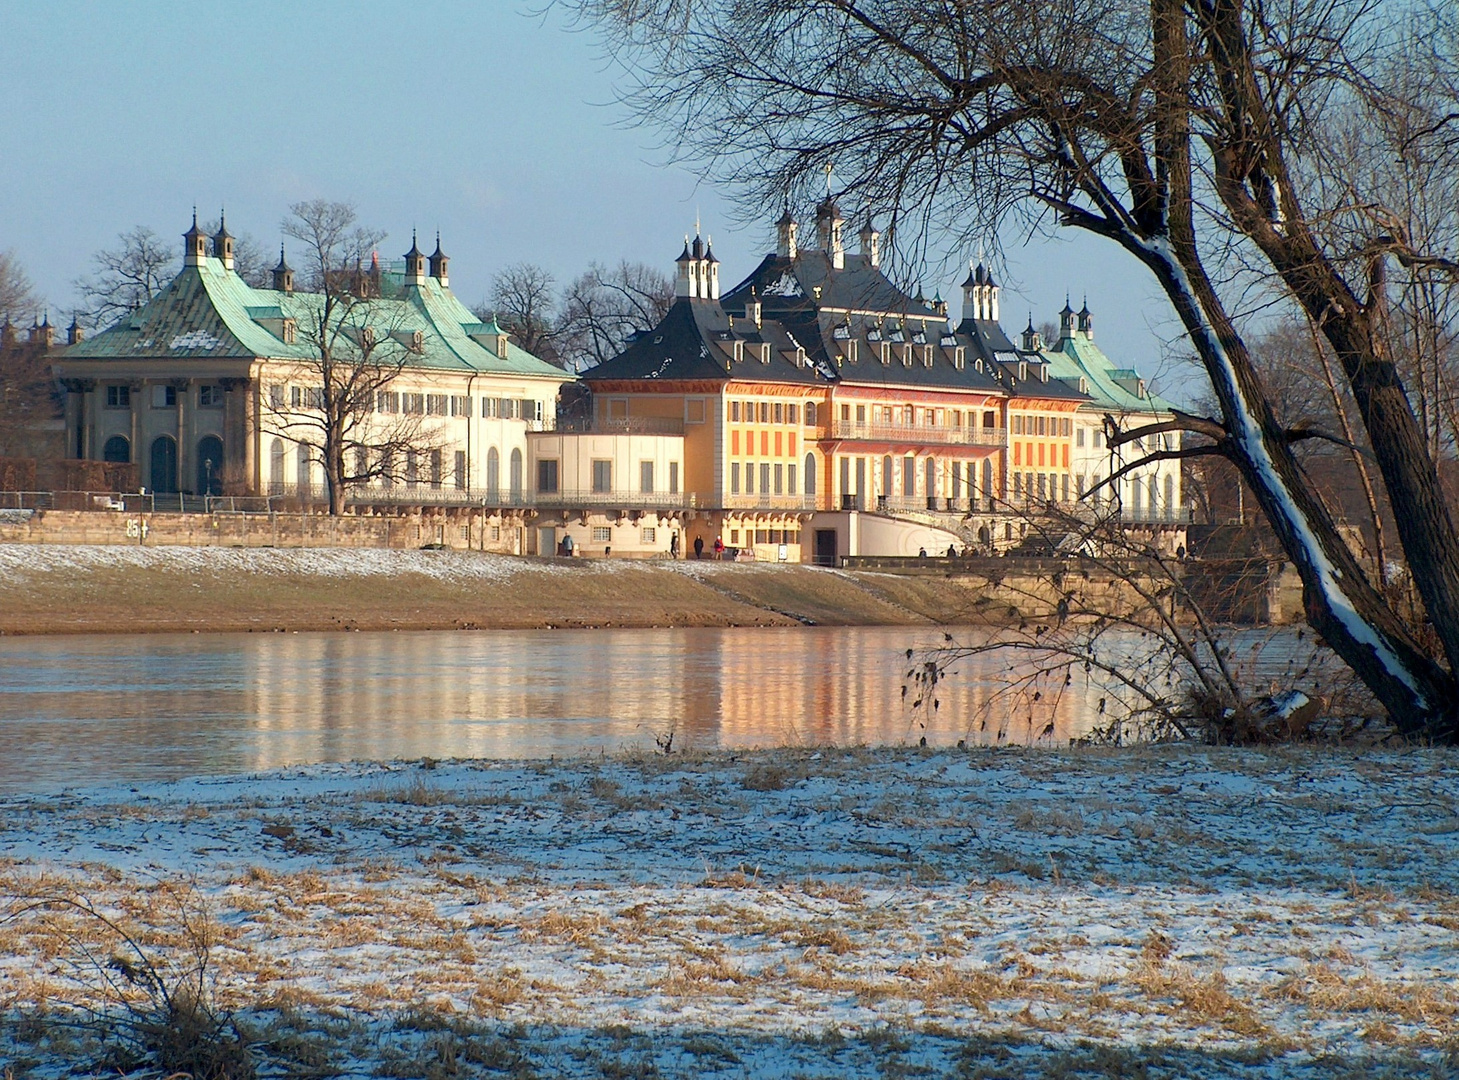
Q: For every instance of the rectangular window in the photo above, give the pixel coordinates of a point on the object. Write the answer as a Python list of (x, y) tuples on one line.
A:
[(861, 414), (1064, 487), (165, 397), (1064, 426), (792, 413), (436, 468), (118, 397), (1079, 437), (734, 537), (296, 397), (764, 478), (764, 412), (547, 476), (673, 478), (846, 414), (734, 413), (415, 404), (779, 479), (762, 536), (1018, 485), (790, 479), (646, 477), (749, 479), (734, 478), (1098, 438), (387, 401), (316, 397), (779, 412), (488, 408), (647, 534), (276, 396), (602, 476), (460, 470), (496, 532), (412, 467), (1017, 425), (210, 397), (602, 534), (460, 405), (435, 404)]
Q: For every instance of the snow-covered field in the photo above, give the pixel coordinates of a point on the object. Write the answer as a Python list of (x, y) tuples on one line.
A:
[(1181, 911)]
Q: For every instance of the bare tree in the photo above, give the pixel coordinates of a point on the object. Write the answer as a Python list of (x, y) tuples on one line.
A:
[(17, 296), (126, 277), (359, 345), (1197, 135), (522, 302), (602, 309)]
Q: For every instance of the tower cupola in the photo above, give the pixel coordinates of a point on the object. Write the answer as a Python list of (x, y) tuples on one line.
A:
[(683, 271), (439, 259), (970, 293), (785, 230), (870, 244), (1086, 321), (283, 274), (710, 276), (1031, 341), (73, 332), (415, 263), (1066, 321), (194, 244), (223, 242), (829, 226)]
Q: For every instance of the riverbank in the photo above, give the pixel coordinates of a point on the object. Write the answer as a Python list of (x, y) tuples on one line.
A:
[(52, 589), (1167, 912)]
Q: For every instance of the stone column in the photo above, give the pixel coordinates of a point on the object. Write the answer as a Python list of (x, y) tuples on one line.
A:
[(73, 416), (237, 439), (184, 449), (87, 419)]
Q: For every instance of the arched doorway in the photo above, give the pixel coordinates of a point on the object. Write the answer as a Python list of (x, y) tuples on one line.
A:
[(210, 465), (493, 475), (516, 476), (276, 467), (164, 465), (117, 451)]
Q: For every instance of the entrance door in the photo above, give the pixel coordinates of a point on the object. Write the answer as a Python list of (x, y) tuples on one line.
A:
[(210, 465), (164, 465), (547, 540), (825, 547)]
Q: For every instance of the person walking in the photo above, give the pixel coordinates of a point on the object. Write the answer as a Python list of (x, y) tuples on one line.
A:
[(674, 545), (718, 548), (699, 547)]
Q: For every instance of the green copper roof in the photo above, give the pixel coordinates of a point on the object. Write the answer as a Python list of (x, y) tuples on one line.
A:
[(1114, 389), (209, 312)]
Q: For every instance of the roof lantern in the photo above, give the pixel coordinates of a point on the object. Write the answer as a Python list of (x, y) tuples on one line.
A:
[(785, 230), (73, 332), (283, 274), (1031, 342), (870, 244), (1086, 320), (439, 259), (1066, 320), (195, 244), (829, 224), (415, 263), (223, 242)]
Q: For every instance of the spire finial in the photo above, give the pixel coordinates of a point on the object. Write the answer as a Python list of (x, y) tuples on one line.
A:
[(830, 168), (195, 215), (696, 221)]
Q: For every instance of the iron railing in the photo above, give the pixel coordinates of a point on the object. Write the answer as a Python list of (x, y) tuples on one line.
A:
[(920, 433), (631, 425)]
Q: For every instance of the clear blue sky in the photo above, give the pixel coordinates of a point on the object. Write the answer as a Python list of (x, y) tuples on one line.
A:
[(497, 127)]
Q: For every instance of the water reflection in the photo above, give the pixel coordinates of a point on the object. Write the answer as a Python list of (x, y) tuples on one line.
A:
[(98, 709)]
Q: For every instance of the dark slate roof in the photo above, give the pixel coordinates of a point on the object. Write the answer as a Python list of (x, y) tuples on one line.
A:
[(790, 284), (695, 341)]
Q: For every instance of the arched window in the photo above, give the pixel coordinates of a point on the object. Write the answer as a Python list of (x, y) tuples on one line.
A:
[(210, 465), (1154, 497), (117, 450), (931, 470), (988, 491), (810, 413), (164, 465), (886, 475), (516, 476), (1169, 496), (493, 475), (909, 477), (303, 484), (276, 467), (810, 460)]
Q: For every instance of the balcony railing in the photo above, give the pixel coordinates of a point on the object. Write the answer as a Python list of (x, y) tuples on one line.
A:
[(921, 433), (506, 498), (632, 425), (768, 502)]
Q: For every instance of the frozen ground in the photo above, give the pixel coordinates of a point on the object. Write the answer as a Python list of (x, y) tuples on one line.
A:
[(1185, 912)]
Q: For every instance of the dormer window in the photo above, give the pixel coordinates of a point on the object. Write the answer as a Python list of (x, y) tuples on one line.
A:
[(800, 357), (886, 352), (927, 356), (765, 353), (959, 357), (978, 364), (289, 332), (418, 341), (851, 351), (1023, 371), (906, 356), (739, 352)]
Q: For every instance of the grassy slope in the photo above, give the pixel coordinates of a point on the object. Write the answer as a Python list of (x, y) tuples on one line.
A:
[(87, 597)]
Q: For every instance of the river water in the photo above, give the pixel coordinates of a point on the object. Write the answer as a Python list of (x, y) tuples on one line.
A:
[(128, 708)]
